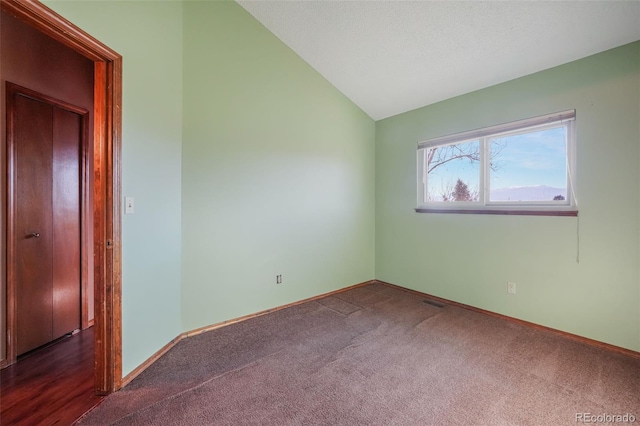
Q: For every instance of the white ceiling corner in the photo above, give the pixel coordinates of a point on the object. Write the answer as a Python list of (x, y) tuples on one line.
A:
[(389, 57)]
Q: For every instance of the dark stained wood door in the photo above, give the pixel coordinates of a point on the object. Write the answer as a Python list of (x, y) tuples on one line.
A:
[(47, 141), (66, 221), (34, 265)]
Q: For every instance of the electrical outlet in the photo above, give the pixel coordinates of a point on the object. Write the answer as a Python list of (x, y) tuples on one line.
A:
[(278, 279), (511, 287)]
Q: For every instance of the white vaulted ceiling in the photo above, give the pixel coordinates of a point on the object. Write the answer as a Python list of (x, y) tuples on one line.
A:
[(393, 56)]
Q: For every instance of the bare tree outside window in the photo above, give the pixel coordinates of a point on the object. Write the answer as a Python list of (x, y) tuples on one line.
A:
[(437, 157), (457, 163)]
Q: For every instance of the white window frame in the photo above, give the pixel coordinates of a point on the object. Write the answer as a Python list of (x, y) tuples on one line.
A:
[(567, 207)]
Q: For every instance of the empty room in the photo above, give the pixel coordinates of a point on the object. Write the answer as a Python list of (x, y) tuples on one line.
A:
[(325, 212)]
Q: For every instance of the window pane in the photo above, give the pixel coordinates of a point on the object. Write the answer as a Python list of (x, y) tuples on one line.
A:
[(530, 166), (453, 172)]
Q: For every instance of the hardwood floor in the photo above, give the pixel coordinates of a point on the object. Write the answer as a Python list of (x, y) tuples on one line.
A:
[(50, 386)]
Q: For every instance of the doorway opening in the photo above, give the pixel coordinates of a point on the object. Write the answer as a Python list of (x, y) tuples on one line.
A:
[(105, 166), (48, 214)]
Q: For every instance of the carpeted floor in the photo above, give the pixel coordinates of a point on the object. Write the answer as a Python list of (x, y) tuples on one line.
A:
[(376, 355)]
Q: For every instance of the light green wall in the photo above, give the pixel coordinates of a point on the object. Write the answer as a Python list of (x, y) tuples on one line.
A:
[(469, 258), (149, 37), (275, 175), (278, 173)]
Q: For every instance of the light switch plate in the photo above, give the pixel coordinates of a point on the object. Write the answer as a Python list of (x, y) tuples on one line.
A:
[(129, 207)]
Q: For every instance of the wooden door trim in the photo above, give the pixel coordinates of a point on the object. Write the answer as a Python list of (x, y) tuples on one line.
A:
[(106, 169), (12, 91), (32, 94)]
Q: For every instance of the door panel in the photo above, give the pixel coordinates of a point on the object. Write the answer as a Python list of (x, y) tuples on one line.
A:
[(33, 129), (66, 221), (47, 141)]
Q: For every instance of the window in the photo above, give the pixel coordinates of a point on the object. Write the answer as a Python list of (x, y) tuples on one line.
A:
[(522, 167)]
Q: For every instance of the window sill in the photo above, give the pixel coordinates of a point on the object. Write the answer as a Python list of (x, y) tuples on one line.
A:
[(569, 213)]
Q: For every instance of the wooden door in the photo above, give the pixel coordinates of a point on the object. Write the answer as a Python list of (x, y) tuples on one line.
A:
[(33, 130), (46, 144), (67, 131)]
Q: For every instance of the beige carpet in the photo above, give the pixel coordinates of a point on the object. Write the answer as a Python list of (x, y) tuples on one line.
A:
[(376, 355)]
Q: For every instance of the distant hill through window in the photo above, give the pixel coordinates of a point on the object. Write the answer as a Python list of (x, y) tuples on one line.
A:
[(527, 193)]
